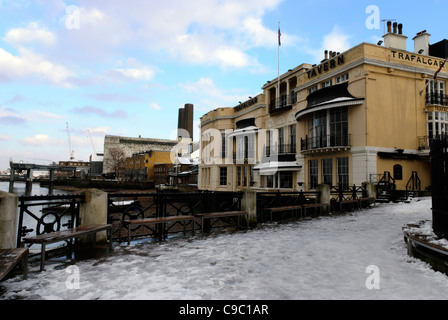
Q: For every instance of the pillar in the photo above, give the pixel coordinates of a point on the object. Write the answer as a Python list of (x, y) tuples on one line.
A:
[(29, 181), (324, 196), (94, 211), (8, 220), (370, 189), (249, 204), (11, 179)]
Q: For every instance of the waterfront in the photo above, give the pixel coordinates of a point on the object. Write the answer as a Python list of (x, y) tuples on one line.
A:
[(19, 189)]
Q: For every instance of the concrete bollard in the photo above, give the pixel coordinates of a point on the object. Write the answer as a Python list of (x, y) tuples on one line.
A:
[(8, 220), (325, 196), (94, 211), (370, 189), (249, 204)]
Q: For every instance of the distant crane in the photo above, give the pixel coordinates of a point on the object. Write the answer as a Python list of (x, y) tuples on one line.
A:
[(72, 152), (91, 141)]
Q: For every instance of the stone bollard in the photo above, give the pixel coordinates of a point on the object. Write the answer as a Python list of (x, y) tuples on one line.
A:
[(8, 220), (370, 189), (325, 196), (249, 204), (94, 211)]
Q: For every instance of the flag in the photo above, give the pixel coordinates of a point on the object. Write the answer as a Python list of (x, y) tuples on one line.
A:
[(440, 69), (279, 35)]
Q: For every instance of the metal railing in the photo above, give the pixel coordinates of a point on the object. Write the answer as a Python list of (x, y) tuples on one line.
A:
[(47, 214), (436, 99), (281, 149), (322, 142), (163, 204), (284, 102)]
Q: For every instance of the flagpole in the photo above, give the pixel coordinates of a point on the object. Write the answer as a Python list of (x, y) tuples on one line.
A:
[(278, 80)]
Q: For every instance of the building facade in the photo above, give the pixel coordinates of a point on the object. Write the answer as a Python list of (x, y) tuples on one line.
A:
[(356, 117), (140, 167)]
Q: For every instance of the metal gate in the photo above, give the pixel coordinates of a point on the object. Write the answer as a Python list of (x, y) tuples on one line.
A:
[(439, 177)]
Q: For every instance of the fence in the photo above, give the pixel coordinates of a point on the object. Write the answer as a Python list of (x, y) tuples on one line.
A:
[(280, 199), (47, 214), (146, 205), (439, 177)]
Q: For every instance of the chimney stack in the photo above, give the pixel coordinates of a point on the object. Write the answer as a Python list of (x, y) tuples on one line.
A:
[(421, 43), (395, 39)]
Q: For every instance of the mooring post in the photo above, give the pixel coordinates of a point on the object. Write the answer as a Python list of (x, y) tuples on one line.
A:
[(8, 220), (11, 179), (94, 211)]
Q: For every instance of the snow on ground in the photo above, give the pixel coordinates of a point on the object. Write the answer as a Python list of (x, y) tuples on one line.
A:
[(323, 258)]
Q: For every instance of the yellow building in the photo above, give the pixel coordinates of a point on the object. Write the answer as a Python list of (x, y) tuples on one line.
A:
[(357, 117), (140, 167)]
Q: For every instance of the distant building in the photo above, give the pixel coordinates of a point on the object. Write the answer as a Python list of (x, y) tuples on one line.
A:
[(140, 166), (130, 146)]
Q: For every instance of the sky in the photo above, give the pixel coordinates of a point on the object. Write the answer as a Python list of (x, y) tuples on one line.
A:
[(73, 71)]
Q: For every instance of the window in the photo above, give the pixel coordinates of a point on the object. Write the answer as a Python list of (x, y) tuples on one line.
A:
[(238, 176), (281, 139), (437, 123), (435, 91), (398, 172), (312, 89), (339, 127), (318, 129), (245, 176), (327, 171), (269, 181), (223, 176), (223, 144), (342, 78), (313, 173), (326, 84), (343, 169), (286, 180), (292, 137)]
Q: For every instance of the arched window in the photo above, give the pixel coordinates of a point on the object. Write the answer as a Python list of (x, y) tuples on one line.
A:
[(398, 172)]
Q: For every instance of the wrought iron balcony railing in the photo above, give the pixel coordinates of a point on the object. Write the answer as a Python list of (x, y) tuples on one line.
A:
[(323, 142), (285, 102), (436, 99)]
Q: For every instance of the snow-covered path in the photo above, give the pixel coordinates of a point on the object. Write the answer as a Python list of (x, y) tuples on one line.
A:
[(323, 258)]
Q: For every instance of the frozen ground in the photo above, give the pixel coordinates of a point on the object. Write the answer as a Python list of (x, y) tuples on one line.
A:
[(324, 258)]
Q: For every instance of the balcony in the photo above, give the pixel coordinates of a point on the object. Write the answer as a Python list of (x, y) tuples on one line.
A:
[(281, 149), (326, 143), (284, 103), (436, 99)]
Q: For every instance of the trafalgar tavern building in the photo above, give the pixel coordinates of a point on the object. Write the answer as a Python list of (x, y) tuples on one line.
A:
[(357, 116)]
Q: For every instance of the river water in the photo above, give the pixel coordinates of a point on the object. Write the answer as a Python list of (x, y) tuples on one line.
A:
[(19, 189)]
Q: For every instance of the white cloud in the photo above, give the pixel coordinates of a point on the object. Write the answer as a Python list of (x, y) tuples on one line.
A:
[(29, 64), (211, 96), (4, 137), (211, 32), (33, 33), (144, 73), (155, 106), (337, 41), (42, 140)]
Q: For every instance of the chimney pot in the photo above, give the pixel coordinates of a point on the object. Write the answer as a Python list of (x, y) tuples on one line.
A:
[(395, 27), (389, 26), (326, 54), (400, 29)]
